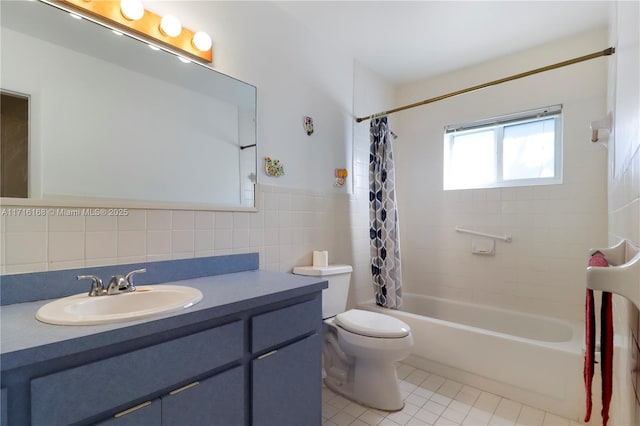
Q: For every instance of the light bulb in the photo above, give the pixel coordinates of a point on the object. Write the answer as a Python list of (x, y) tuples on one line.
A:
[(170, 25), (131, 9), (201, 41)]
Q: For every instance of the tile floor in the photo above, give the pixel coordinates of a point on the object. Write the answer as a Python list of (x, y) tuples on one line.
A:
[(432, 400)]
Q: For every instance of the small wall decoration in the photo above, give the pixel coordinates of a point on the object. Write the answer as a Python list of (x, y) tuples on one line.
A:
[(341, 176), (308, 125), (273, 167)]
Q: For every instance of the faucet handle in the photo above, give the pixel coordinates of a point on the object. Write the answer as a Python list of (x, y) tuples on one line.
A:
[(129, 277), (97, 288)]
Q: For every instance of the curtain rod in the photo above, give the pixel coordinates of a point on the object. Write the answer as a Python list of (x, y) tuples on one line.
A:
[(607, 52)]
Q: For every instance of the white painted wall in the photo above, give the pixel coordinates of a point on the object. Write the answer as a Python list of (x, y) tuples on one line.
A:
[(542, 270), (297, 75)]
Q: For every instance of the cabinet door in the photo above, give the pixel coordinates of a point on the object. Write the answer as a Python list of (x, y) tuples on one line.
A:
[(147, 414), (287, 385), (218, 400), (3, 408)]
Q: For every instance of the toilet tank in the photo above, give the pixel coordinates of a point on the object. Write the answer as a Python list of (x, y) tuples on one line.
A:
[(334, 298)]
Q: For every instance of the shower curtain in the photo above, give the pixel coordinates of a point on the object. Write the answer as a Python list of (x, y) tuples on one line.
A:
[(383, 218)]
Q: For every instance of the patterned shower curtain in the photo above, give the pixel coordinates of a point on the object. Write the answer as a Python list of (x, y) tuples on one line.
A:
[(383, 218)]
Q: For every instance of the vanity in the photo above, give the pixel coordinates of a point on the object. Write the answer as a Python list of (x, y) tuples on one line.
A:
[(249, 353)]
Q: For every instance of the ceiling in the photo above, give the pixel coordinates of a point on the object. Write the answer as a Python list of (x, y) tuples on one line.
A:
[(404, 41)]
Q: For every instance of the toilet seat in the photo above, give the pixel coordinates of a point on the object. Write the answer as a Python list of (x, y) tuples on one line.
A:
[(372, 324)]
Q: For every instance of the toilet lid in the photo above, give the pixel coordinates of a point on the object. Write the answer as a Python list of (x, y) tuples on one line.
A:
[(372, 324)]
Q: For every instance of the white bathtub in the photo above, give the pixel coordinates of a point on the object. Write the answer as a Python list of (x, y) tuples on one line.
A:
[(532, 359)]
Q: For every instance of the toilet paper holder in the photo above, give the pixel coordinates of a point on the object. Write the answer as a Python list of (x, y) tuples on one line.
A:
[(483, 246)]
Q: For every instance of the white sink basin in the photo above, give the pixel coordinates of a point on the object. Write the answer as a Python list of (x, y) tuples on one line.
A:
[(145, 302)]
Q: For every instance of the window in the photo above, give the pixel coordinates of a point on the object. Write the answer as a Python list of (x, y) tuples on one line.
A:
[(512, 150)]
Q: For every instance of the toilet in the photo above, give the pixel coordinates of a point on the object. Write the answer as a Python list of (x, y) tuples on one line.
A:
[(360, 348)]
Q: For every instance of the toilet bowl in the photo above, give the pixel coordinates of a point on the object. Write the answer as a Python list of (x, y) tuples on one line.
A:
[(360, 348), (366, 373)]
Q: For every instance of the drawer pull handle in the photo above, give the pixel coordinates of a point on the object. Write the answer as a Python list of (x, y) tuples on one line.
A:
[(184, 388), (132, 409), (267, 354)]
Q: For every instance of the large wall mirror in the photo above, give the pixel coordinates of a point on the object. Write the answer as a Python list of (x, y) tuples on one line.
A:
[(113, 122)]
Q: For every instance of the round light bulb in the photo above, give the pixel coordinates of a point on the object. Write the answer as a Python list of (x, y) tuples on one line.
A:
[(171, 26), (201, 41), (131, 9)]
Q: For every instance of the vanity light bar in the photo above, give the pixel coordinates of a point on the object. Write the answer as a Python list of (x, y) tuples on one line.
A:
[(148, 26)]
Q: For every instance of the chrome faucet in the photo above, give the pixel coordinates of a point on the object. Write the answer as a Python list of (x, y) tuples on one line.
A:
[(97, 288), (123, 284), (118, 284)]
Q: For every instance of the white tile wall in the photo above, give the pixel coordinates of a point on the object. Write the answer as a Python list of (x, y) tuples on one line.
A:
[(290, 225), (553, 226), (624, 200), (158, 220)]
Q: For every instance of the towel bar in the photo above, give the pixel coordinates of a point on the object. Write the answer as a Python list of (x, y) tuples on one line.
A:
[(506, 238), (622, 276)]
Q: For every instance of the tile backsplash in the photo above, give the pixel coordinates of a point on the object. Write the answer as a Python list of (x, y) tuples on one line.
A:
[(290, 224)]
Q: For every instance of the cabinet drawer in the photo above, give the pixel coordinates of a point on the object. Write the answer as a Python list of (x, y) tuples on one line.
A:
[(79, 393), (272, 328)]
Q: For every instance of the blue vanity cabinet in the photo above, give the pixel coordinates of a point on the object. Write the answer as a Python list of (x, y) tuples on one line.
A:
[(286, 373), (250, 356)]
